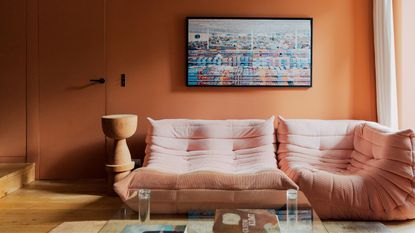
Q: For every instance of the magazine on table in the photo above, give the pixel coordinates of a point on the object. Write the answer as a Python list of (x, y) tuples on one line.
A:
[(246, 221)]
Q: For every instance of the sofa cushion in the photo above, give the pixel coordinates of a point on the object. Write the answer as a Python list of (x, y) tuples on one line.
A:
[(225, 129), (155, 180), (315, 144), (228, 146), (166, 201)]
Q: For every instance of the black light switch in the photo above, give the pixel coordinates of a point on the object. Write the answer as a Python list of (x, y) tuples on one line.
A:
[(123, 80)]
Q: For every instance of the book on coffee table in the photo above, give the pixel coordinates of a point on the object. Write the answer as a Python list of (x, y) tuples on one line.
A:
[(246, 221)]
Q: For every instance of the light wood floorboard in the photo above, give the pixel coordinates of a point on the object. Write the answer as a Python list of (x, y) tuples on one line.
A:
[(42, 205)]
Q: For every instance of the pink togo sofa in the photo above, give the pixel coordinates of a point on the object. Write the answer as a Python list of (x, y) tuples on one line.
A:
[(347, 169), (208, 164), (350, 169)]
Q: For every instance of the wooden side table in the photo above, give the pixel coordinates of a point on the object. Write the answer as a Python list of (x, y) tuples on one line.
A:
[(119, 127)]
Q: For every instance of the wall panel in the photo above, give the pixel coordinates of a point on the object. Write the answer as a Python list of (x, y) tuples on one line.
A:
[(12, 80)]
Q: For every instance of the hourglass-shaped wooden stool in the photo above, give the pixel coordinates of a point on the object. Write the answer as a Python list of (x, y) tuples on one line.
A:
[(119, 127)]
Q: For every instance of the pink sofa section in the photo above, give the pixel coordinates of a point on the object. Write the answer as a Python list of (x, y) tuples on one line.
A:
[(350, 169), (229, 146), (180, 193), (208, 164)]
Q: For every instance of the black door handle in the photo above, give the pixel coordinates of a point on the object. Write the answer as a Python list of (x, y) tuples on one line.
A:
[(101, 80)]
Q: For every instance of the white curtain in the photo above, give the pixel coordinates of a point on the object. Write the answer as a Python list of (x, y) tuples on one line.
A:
[(387, 104)]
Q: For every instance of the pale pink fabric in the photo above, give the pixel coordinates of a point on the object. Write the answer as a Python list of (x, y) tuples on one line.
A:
[(350, 169), (241, 186), (228, 146), (236, 156), (171, 201), (154, 179)]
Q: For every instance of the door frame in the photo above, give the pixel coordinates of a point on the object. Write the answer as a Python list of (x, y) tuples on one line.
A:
[(32, 85)]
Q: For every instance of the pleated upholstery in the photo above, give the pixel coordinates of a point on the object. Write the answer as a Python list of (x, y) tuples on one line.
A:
[(245, 190), (350, 169), (154, 179), (315, 144), (227, 146), (224, 157)]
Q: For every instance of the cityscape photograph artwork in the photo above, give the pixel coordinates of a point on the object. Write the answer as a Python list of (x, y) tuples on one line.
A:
[(249, 52)]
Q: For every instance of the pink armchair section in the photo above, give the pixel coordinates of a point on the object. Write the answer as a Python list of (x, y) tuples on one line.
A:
[(208, 164), (350, 169)]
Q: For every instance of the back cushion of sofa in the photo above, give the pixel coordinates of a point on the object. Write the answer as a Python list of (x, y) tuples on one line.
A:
[(387, 157), (389, 148), (234, 146), (315, 143)]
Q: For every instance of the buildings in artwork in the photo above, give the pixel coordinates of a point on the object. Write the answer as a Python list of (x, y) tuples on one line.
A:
[(220, 54)]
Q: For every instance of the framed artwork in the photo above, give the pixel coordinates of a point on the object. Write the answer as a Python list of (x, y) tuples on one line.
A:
[(245, 52)]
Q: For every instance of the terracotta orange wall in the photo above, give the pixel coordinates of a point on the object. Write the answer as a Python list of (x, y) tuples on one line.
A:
[(12, 81), (405, 56), (146, 41)]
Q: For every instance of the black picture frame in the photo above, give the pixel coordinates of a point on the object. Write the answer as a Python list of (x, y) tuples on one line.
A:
[(208, 83)]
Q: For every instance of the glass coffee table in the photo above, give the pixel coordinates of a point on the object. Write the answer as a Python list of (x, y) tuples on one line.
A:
[(304, 220)]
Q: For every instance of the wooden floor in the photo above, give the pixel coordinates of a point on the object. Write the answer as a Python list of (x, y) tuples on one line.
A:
[(42, 205)]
